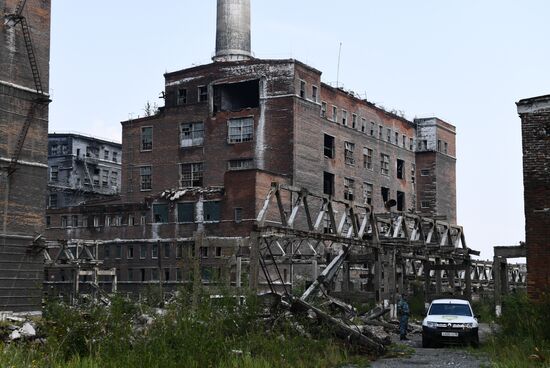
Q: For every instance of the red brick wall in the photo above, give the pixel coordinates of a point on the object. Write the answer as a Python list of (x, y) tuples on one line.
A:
[(536, 181)]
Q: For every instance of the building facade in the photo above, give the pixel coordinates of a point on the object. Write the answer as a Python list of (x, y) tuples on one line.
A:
[(196, 174), (82, 168), (535, 127), (24, 101)]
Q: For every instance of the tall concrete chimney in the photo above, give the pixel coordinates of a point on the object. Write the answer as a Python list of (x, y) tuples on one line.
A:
[(233, 31)]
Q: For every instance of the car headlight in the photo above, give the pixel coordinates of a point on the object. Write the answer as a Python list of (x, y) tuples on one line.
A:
[(431, 324), (468, 325)]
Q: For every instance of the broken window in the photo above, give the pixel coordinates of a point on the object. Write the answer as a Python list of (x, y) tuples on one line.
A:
[(191, 175), (96, 221), (48, 221), (182, 96), (367, 193), (384, 164), (397, 138), (404, 141), (146, 138), (54, 149), (143, 251), (155, 251), (323, 109), (203, 251), (446, 147), (167, 274), (186, 212), (385, 194), (179, 250), (328, 183), (400, 169), (380, 131), (363, 125), (145, 178), (160, 213), (52, 201), (314, 93), (344, 117), (329, 146), (372, 128), (388, 135), (212, 211), (63, 221), (354, 121), (238, 214), (130, 252), (142, 274), (74, 221), (240, 164), (236, 96), (302, 89), (218, 251), (240, 130), (104, 178), (348, 153), (203, 93), (334, 114), (349, 185), (425, 172), (191, 134), (54, 173), (425, 204), (438, 145), (367, 158), (400, 201)]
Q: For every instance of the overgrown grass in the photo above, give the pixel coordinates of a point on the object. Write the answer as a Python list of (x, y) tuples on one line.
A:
[(225, 335), (524, 338)]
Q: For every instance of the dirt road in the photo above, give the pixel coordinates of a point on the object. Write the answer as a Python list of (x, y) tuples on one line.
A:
[(441, 357)]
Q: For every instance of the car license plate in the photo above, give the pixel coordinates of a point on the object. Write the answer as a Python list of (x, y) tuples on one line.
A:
[(449, 334)]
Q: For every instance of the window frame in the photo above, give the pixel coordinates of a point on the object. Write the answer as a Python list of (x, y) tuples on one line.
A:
[(143, 188), (247, 136), (192, 179), (142, 142)]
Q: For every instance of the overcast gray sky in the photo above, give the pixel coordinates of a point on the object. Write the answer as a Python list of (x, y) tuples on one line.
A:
[(466, 62)]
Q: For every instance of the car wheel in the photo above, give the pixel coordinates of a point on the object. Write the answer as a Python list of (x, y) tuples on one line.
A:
[(426, 343), (475, 341)]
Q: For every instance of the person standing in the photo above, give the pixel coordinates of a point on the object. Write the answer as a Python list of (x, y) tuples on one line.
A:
[(404, 312)]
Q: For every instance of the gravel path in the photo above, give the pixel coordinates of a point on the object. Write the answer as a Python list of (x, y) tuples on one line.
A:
[(442, 357)]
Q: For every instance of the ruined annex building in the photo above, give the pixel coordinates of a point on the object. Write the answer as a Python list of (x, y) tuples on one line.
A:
[(195, 176), (24, 76)]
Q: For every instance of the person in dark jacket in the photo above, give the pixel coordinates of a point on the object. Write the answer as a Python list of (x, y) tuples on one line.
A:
[(403, 312)]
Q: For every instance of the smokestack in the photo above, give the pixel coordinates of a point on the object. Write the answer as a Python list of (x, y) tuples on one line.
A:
[(233, 31)]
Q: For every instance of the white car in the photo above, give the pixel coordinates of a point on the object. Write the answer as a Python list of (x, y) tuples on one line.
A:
[(450, 321)]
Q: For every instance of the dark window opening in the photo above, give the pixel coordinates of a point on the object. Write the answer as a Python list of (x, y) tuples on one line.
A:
[(400, 169), (236, 96), (385, 194), (329, 146), (400, 201), (302, 89), (203, 93), (182, 96), (142, 271), (186, 212), (167, 274), (328, 183), (166, 250), (238, 215), (160, 213), (212, 211)]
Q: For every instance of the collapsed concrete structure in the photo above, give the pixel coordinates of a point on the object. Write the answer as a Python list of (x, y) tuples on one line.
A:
[(24, 76)]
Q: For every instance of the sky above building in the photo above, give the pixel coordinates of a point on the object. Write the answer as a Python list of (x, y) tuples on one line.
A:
[(466, 62)]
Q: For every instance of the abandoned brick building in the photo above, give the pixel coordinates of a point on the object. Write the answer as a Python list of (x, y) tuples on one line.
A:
[(81, 168), (195, 175), (535, 128), (24, 68)]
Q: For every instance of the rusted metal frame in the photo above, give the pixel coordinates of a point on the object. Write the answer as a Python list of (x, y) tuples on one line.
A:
[(270, 253)]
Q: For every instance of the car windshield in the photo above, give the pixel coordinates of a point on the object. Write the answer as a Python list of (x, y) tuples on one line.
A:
[(450, 309)]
